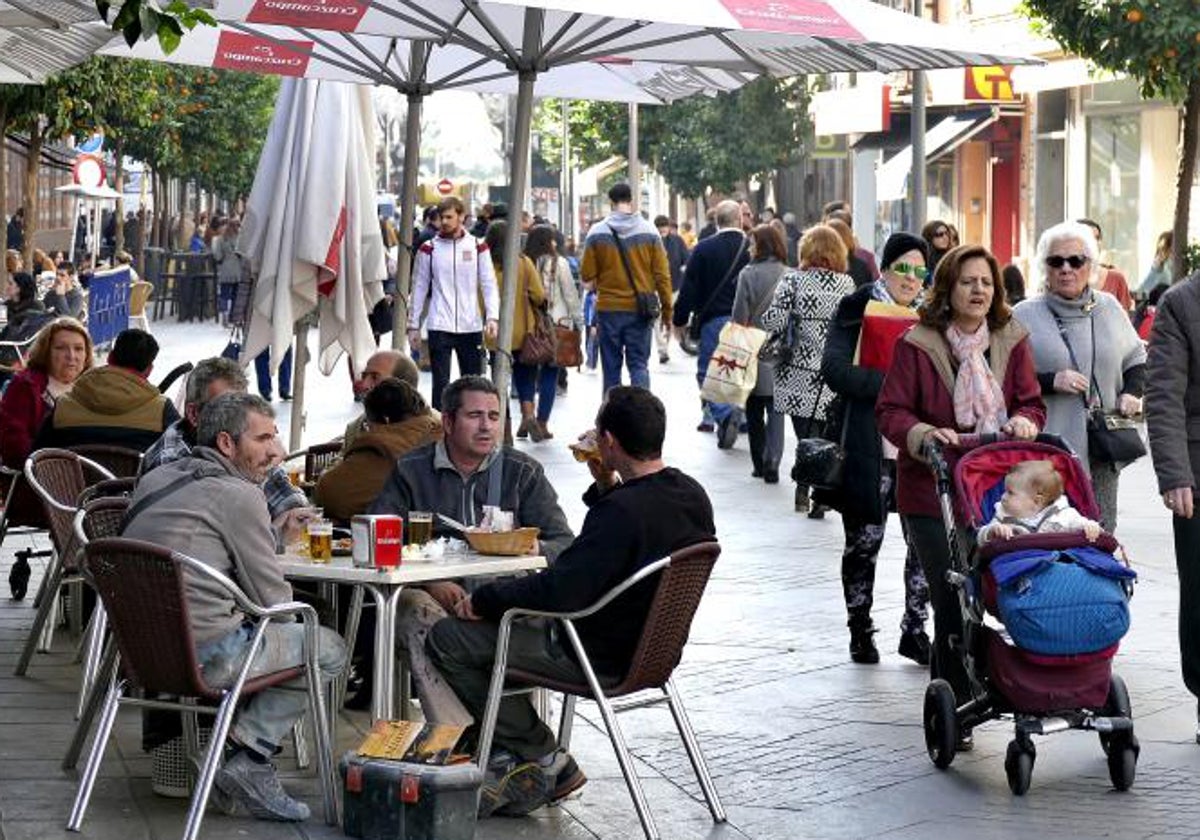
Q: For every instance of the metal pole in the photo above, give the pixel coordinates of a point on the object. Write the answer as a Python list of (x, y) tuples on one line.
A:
[(534, 19), (564, 189), (299, 369), (635, 173), (918, 151), (408, 201)]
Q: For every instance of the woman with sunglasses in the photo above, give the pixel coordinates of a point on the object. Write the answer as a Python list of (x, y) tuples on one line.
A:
[(868, 491), (938, 234), (1086, 351), (966, 367)]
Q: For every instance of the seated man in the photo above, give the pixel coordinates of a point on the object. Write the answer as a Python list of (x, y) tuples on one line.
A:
[(113, 404), (210, 506), (207, 381), (452, 477), (386, 364), (640, 511), (398, 421)]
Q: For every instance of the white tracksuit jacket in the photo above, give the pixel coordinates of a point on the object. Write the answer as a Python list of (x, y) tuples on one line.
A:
[(449, 274)]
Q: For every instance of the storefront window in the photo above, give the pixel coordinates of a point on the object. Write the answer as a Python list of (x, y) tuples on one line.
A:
[(1113, 157)]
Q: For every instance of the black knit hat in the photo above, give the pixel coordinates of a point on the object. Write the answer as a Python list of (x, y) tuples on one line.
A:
[(898, 245)]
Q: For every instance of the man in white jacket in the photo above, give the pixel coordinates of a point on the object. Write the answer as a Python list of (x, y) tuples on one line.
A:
[(453, 275)]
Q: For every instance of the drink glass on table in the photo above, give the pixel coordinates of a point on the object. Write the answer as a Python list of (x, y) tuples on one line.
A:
[(295, 476), (320, 540), (420, 527)]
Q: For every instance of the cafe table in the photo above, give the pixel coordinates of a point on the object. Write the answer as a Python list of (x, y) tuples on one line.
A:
[(385, 585)]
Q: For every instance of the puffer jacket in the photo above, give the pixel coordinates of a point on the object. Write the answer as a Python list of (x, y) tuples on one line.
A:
[(108, 405), (426, 479), (453, 275)]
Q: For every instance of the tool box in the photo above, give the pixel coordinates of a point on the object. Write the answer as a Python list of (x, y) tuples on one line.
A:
[(383, 799)]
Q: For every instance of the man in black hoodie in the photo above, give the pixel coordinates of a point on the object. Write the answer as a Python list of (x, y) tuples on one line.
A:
[(640, 510)]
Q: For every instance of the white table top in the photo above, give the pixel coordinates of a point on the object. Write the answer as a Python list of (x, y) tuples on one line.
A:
[(342, 570)]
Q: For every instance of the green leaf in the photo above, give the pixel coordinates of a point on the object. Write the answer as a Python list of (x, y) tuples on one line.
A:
[(149, 19), (103, 7), (169, 35), (127, 16), (132, 32)]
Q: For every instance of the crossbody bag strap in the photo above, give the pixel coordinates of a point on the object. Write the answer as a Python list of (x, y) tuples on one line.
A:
[(157, 496), (1062, 333), (729, 273), (625, 262)]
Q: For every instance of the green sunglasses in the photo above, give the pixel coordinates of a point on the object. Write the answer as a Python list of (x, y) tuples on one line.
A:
[(918, 271)]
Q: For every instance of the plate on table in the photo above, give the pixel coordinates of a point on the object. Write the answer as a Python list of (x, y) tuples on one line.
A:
[(343, 547)]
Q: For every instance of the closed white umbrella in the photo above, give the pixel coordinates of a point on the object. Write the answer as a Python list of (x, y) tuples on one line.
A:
[(310, 230)]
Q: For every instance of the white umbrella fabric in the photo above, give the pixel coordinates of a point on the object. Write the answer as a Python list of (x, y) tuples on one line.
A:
[(310, 230)]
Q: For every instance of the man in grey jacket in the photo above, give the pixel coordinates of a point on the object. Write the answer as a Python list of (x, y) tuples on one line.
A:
[(1173, 420), (457, 477), (211, 506)]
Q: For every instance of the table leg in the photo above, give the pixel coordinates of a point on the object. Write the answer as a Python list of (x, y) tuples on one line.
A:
[(382, 699), (388, 637)]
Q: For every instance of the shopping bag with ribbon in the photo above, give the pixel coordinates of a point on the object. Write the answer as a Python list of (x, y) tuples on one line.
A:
[(733, 368)]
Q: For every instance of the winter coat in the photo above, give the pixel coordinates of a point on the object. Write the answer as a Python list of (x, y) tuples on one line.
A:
[(454, 275), (918, 396), (809, 297), (23, 408), (603, 267), (108, 405), (710, 280), (1173, 386), (755, 290), (229, 262), (531, 296), (349, 486), (561, 291)]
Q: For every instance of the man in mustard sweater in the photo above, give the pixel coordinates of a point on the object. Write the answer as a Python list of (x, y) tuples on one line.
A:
[(624, 256)]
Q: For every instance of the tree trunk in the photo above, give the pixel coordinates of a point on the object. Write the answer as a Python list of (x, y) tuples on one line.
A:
[(32, 165), (1189, 142), (119, 186)]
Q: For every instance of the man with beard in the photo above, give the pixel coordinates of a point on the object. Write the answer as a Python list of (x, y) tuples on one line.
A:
[(211, 506)]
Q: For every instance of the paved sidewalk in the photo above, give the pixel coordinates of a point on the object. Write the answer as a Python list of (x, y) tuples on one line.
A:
[(803, 743)]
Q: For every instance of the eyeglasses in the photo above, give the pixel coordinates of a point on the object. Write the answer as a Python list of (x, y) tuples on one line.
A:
[(941, 232), (1075, 261), (918, 271)]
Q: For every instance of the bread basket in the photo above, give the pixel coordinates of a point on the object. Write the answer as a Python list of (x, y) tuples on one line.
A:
[(509, 543)]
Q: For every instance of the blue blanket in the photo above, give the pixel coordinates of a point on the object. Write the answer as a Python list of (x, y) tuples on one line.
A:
[(1007, 567)]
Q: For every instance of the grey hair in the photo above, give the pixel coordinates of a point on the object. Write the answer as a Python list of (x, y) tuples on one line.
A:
[(789, 218), (1063, 232), (208, 371), (729, 214), (230, 413)]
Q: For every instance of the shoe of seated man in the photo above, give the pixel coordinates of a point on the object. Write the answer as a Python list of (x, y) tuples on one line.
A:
[(561, 777), (513, 788), (254, 786)]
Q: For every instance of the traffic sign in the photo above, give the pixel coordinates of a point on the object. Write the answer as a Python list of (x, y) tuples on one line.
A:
[(88, 171), (445, 186)]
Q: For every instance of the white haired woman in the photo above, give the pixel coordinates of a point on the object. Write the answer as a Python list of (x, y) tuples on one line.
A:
[(1085, 350)]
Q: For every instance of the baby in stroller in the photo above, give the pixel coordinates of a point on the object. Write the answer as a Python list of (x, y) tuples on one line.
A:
[(1034, 503)]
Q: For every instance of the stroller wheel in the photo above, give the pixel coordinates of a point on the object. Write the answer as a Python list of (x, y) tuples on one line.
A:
[(1117, 705), (1018, 766), (1122, 761), (941, 723)]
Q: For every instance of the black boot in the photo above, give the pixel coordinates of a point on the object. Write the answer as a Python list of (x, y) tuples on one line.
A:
[(862, 644)]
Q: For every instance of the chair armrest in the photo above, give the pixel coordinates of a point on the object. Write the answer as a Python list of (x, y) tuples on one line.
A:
[(608, 597), (306, 611)]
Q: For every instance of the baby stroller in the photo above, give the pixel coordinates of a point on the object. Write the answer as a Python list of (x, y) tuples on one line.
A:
[(1066, 680)]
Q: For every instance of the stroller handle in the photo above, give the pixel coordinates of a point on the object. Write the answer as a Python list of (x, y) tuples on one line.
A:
[(935, 449)]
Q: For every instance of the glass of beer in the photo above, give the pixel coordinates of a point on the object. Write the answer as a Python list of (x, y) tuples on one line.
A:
[(295, 475), (320, 540), (420, 527)]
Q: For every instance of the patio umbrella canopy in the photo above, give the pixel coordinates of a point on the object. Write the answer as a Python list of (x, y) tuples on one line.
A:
[(311, 232)]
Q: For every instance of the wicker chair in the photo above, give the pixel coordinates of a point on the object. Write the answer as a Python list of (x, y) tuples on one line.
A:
[(58, 476), (108, 488), (22, 514), (677, 595), (320, 457), (143, 589), (121, 461)]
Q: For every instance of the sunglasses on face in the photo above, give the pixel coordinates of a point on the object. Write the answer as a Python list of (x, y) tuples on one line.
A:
[(918, 271), (1075, 261), (942, 232)]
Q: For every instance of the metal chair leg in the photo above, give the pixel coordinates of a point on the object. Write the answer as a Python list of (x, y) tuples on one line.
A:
[(93, 650), (212, 758), (688, 735), (568, 720), (41, 619), (92, 768), (322, 734), (303, 759), (95, 699), (46, 636)]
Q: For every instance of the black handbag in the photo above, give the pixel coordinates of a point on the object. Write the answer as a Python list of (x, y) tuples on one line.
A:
[(779, 346), (821, 461), (1112, 437), (649, 307)]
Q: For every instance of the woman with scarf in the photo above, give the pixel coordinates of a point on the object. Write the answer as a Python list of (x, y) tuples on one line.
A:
[(1085, 349), (870, 471), (966, 367)]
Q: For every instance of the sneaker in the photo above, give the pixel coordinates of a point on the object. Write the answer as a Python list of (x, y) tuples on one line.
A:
[(254, 786), (756, 473), (513, 790), (706, 426), (727, 433), (915, 646), (664, 357), (563, 778), (818, 511), (771, 476), (862, 646)]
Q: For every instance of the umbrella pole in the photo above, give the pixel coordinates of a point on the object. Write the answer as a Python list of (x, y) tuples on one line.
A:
[(512, 241), (299, 367), (408, 198)]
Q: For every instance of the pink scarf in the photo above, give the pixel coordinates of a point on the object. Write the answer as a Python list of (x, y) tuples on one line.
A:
[(978, 400)]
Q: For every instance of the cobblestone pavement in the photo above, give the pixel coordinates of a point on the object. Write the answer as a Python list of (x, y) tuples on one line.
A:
[(803, 744)]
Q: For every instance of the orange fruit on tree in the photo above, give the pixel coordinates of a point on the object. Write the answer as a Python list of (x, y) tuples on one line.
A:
[(1134, 15)]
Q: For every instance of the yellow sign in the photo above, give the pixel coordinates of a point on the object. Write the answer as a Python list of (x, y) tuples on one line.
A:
[(993, 84)]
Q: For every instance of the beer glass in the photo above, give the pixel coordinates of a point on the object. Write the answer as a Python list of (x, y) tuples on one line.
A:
[(320, 540), (420, 527)]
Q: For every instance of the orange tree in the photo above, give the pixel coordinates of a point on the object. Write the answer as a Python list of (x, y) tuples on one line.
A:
[(1156, 42)]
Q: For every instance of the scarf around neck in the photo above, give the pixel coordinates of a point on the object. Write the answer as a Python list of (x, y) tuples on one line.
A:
[(879, 292), (978, 400), (1080, 307)]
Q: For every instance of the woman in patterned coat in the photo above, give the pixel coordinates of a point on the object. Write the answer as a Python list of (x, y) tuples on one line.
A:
[(807, 299)]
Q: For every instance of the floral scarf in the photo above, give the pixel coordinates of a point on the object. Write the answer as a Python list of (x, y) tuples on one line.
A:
[(978, 400)]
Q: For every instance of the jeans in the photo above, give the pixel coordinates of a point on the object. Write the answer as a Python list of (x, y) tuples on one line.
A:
[(464, 652), (527, 379), (927, 537), (624, 338), (262, 368), (765, 426), (468, 347), (268, 716), (710, 332)]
